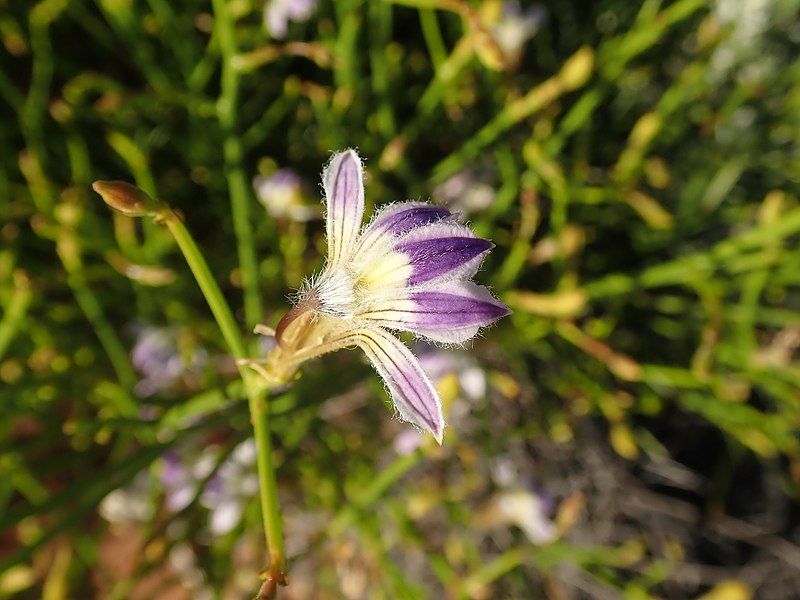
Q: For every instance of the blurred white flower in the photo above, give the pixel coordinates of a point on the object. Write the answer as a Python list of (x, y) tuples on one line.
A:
[(225, 495), (466, 192), (183, 561), (529, 512), (282, 195), (747, 18), (438, 363), (132, 503), (524, 509), (234, 485), (515, 27), (742, 49), (278, 13)]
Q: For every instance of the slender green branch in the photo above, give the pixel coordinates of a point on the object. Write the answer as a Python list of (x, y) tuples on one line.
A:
[(69, 251), (259, 409), (508, 561), (213, 295), (379, 485), (238, 184), (14, 313), (433, 37)]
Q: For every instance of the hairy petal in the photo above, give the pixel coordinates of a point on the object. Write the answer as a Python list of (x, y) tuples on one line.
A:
[(344, 197), (412, 392), (453, 312), (442, 252), (392, 222), (399, 218), (402, 217)]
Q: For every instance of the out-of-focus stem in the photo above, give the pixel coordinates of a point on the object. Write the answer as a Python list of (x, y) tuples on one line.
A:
[(238, 184), (14, 312), (68, 250)]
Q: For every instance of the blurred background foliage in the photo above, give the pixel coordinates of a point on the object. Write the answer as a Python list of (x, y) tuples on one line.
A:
[(631, 430)]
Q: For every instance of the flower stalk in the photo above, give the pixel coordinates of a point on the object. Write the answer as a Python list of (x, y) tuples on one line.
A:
[(275, 573)]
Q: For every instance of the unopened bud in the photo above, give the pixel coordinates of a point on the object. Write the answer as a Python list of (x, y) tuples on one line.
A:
[(127, 199)]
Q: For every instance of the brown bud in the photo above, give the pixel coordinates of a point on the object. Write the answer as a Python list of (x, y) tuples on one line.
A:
[(127, 199)]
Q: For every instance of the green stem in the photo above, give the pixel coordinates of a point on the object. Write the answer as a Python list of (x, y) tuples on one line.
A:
[(238, 184), (367, 498), (92, 309), (33, 161), (433, 37), (259, 409), (216, 301), (14, 314), (506, 562)]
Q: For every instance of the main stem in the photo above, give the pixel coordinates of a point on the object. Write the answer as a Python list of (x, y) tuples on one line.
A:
[(274, 574), (238, 184)]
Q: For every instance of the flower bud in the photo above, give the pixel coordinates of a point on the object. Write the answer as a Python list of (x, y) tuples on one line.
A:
[(126, 198)]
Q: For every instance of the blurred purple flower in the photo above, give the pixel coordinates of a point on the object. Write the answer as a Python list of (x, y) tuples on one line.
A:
[(471, 377), (278, 13), (466, 192), (182, 474), (438, 364), (225, 494), (407, 441), (282, 194), (232, 487), (156, 357)]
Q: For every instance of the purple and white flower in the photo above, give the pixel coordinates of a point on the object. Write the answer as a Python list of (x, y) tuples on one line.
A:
[(467, 191), (225, 494), (408, 269), (515, 27), (158, 359), (234, 485), (282, 194)]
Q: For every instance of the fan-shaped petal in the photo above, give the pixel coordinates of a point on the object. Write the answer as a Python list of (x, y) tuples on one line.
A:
[(412, 392), (441, 252), (453, 312), (344, 198)]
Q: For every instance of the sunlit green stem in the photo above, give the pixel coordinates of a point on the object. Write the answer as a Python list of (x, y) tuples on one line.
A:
[(259, 408), (14, 313), (508, 561), (208, 285)]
